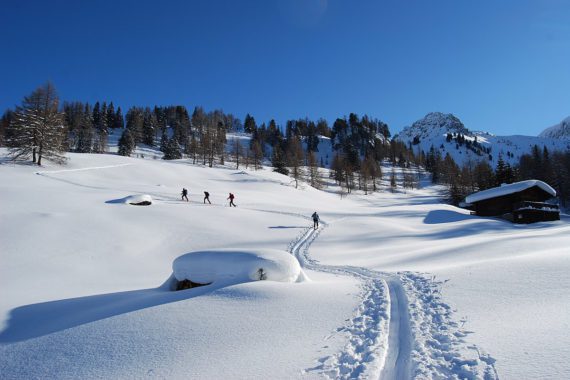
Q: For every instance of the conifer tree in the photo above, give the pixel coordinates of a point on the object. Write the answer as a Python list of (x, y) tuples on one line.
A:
[(278, 161), (126, 143), (103, 122), (111, 116), (101, 132), (96, 116), (84, 136), (249, 125), (501, 172), (172, 150), (148, 127), (163, 141), (119, 121)]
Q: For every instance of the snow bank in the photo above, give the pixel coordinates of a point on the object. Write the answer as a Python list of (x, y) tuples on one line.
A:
[(141, 199), (509, 189), (237, 266)]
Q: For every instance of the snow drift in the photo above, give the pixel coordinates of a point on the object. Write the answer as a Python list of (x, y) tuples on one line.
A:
[(237, 266), (138, 200)]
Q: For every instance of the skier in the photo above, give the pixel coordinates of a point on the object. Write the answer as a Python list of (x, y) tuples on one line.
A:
[(231, 198), (207, 197), (316, 219), (184, 194)]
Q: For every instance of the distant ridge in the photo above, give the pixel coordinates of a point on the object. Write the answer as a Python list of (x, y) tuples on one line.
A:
[(558, 131), (446, 133)]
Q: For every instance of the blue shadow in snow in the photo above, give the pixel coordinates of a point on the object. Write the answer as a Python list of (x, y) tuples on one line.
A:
[(446, 216), (117, 201), (37, 320), (280, 227)]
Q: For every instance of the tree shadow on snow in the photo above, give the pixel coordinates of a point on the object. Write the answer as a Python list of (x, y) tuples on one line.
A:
[(37, 320)]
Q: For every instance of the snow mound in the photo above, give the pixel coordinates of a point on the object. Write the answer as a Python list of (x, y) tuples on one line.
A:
[(233, 265), (138, 200)]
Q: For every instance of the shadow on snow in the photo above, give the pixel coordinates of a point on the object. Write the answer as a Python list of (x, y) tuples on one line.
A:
[(37, 320)]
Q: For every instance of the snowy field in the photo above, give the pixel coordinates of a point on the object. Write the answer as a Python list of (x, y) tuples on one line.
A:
[(392, 285)]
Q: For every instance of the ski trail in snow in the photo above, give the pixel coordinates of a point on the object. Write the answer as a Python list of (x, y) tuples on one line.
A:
[(398, 361), (42, 172), (158, 197), (48, 174), (365, 353), (402, 329)]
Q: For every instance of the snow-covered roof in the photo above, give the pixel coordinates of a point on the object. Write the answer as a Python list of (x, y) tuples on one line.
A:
[(509, 189)]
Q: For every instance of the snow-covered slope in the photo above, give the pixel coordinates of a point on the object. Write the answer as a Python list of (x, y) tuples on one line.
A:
[(401, 285), (432, 130), (559, 131)]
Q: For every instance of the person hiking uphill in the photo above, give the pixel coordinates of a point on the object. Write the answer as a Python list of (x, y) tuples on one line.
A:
[(316, 219), (207, 197), (231, 198), (184, 194)]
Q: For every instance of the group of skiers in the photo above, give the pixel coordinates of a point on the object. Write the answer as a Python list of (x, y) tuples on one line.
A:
[(206, 197), (231, 198)]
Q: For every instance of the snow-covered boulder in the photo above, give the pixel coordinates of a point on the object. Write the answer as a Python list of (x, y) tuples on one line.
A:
[(138, 200), (237, 266)]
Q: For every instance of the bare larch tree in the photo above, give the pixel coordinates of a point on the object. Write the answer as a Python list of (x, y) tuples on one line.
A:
[(37, 129)]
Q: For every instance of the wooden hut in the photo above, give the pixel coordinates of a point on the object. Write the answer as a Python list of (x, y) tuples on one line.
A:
[(521, 202)]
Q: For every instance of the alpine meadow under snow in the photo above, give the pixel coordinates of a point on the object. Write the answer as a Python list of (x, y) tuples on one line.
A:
[(392, 285), (287, 189)]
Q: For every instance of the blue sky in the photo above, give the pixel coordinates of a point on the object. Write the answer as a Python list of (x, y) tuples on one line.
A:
[(500, 66)]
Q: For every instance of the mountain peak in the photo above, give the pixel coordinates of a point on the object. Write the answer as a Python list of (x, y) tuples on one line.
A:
[(435, 124), (558, 131)]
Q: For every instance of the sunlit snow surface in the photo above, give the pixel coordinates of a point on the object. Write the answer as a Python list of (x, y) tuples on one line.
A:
[(83, 279)]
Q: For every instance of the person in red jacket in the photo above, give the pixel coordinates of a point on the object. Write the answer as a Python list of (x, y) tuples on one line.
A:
[(231, 198)]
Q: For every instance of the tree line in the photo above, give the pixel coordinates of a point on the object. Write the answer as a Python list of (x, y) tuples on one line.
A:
[(40, 128)]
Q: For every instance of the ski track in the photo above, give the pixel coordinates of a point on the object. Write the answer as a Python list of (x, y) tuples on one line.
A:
[(402, 329), (365, 353), (42, 172)]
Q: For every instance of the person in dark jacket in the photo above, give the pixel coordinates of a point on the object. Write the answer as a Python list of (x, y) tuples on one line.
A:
[(184, 194), (316, 219), (207, 197), (231, 198)]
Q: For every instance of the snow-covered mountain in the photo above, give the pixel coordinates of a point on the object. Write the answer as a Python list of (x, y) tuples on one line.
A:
[(559, 131), (447, 133)]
